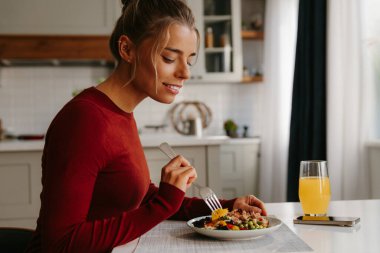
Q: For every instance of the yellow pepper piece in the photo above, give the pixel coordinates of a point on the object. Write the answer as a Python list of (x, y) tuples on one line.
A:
[(216, 214), (235, 228), (222, 223)]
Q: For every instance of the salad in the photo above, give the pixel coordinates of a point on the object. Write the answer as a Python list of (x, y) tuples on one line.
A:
[(222, 219)]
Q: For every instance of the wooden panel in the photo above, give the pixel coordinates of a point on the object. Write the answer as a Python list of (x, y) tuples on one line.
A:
[(71, 47), (252, 79), (252, 35)]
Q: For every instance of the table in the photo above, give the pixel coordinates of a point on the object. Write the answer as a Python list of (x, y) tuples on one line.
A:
[(364, 237)]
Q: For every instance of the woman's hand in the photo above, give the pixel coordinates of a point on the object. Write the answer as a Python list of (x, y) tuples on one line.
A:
[(179, 172), (250, 203)]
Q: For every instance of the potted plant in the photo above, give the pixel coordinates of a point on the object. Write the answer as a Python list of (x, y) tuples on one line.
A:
[(231, 128)]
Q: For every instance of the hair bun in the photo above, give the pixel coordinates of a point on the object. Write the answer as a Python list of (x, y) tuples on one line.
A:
[(126, 2)]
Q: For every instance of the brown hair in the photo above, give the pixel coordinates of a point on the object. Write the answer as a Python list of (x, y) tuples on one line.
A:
[(142, 19)]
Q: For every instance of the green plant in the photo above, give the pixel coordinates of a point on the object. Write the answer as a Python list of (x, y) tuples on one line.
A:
[(231, 128), (230, 125)]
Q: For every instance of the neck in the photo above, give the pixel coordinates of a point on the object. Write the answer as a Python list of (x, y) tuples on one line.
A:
[(126, 97)]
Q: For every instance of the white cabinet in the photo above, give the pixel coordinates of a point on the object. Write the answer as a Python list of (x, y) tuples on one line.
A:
[(20, 179), (195, 155), (221, 59), (59, 17), (20, 188), (205, 160), (239, 168)]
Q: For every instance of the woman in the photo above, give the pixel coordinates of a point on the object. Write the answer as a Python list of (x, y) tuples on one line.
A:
[(97, 192)]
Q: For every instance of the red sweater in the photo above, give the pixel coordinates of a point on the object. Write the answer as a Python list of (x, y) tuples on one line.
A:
[(97, 192)]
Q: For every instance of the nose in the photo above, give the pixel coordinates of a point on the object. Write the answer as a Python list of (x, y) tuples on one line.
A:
[(183, 71)]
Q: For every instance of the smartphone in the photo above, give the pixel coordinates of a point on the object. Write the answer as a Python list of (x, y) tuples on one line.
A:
[(327, 220)]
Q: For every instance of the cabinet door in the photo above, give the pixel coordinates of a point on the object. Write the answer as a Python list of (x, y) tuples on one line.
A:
[(20, 188), (59, 17), (220, 57), (239, 169), (198, 69), (195, 155)]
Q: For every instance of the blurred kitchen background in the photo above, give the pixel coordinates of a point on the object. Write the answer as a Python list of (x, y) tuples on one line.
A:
[(244, 73)]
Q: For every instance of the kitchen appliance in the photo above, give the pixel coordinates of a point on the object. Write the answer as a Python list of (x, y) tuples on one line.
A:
[(190, 117)]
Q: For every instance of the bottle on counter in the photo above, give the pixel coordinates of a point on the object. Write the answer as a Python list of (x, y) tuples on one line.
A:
[(209, 37)]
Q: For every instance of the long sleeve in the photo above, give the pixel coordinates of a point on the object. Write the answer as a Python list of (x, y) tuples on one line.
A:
[(80, 209), (191, 207)]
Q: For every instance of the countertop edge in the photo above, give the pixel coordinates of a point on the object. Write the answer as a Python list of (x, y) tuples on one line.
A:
[(146, 141)]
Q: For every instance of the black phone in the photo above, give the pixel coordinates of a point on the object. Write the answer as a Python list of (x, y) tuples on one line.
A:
[(327, 220)]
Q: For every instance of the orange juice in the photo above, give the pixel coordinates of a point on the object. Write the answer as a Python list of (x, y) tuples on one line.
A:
[(314, 194)]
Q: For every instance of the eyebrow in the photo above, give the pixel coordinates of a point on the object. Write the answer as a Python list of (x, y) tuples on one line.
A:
[(175, 50)]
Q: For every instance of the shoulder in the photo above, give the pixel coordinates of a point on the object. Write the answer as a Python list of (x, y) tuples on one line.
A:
[(78, 117)]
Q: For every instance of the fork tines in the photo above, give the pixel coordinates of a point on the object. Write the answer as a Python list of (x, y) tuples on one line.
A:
[(213, 202)]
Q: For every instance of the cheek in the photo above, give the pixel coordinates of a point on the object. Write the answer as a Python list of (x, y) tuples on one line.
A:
[(165, 70)]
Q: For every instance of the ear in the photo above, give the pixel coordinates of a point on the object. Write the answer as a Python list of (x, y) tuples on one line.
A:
[(127, 49)]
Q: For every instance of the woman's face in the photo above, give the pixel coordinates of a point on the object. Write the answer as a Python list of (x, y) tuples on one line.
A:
[(172, 65)]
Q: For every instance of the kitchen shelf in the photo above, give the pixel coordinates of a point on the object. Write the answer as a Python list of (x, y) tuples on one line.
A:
[(62, 47), (252, 35), (213, 50), (217, 18), (252, 79)]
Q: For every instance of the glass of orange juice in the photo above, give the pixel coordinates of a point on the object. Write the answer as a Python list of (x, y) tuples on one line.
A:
[(314, 188)]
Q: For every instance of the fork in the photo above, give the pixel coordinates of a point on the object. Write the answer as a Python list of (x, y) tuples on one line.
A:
[(206, 193)]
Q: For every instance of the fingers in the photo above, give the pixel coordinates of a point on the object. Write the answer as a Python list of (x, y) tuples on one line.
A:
[(254, 209), (191, 180), (179, 172), (181, 160), (253, 201), (250, 203)]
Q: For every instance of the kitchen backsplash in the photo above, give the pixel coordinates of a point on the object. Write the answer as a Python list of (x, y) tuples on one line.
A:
[(31, 96)]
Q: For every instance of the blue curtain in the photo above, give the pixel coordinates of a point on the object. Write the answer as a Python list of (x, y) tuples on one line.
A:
[(308, 117)]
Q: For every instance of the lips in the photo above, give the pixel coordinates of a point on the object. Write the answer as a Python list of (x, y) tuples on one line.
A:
[(173, 87)]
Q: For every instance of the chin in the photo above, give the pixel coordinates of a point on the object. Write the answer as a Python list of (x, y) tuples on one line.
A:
[(164, 100)]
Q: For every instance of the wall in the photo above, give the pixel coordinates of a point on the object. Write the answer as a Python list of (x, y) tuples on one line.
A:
[(31, 96)]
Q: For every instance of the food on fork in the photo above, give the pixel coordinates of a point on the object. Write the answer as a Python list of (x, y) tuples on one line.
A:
[(237, 219)]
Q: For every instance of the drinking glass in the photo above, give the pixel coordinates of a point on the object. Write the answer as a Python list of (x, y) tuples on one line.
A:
[(314, 188)]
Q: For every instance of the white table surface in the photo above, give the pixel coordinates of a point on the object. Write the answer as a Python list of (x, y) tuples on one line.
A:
[(364, 237)]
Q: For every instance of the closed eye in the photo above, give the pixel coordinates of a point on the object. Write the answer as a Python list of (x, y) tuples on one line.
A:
[(168, 60)]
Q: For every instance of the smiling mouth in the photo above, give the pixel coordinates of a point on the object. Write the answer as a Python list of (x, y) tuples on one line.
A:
[(173, 87)]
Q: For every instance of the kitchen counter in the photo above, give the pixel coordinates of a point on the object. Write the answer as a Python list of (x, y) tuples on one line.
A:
[(18, 145), (147, 140)]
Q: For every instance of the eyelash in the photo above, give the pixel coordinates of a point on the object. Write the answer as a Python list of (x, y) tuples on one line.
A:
[(168, 60)]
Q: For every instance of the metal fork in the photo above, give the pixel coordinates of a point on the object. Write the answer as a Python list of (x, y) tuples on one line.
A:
[(206, 193)]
